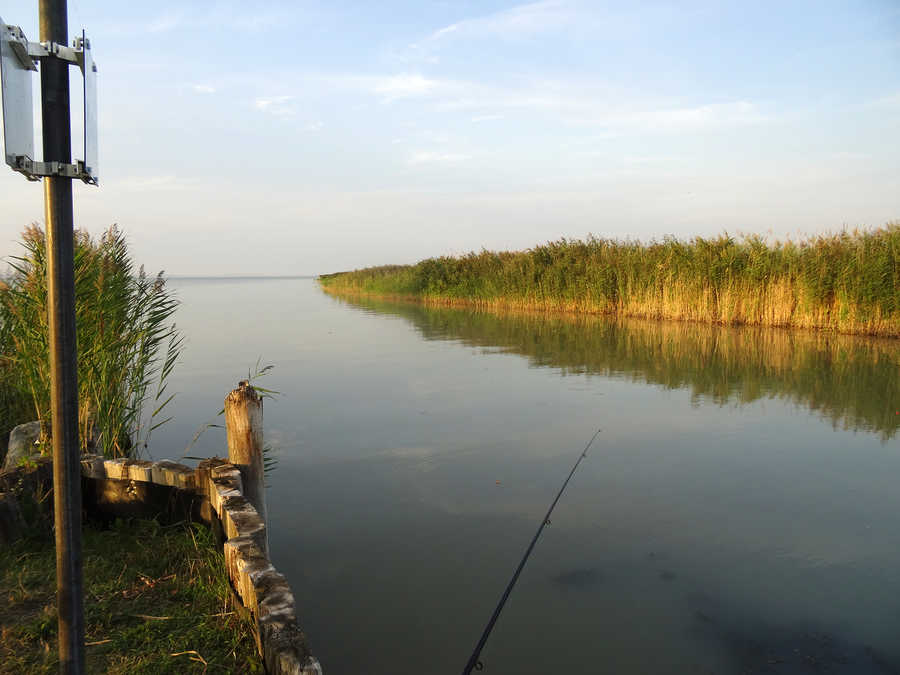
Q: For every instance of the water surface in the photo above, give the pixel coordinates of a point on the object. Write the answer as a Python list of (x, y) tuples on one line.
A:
[(739, 512)]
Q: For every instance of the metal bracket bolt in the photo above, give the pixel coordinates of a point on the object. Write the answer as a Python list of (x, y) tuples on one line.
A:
[(34, 171)]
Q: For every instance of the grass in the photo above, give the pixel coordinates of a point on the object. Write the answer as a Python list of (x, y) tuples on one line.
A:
[(127, 345), (156, 601), (846, 282)]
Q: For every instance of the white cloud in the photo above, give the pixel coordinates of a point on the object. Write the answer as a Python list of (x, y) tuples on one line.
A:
[(479, 98), (219, 16), (280, 106), (204, 88), (519, 21), (403, 86), (169, 20), (612, 110), (388, 87), (313, 127), (426, 157), (738, 113), (575, 104), (267, 103)]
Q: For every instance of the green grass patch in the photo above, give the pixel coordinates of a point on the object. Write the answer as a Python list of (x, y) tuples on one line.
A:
[(156, 601)]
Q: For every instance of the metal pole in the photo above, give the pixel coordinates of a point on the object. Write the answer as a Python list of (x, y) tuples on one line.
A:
[(63, 355)]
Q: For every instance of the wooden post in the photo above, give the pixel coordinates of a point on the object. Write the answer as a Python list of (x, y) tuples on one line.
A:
[(244, 428)]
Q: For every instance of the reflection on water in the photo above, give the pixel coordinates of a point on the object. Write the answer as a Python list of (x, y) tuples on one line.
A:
[(738, 514), (850, 380)]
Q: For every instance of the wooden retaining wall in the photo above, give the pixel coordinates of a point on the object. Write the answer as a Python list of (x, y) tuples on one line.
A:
[(212, 493)]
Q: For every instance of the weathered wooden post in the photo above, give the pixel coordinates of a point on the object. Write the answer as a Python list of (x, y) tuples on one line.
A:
[(244, 428)]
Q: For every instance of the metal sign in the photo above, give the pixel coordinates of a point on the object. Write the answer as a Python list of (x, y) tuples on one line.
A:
[(15, 80), (89, 69), (17, 56)]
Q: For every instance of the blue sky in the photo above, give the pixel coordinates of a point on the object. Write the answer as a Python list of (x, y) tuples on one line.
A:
[(305, 137)]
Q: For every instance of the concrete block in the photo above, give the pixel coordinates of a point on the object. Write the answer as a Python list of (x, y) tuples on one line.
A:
[(115, 468), (158, 472), (226, 483), (274, 598), (284, 648), (139, 470), (229, 473), (222, 491), (249, 576), (173, 474), (183, 477), (290, 661), (203, 476), (241, 555), (240, 519)]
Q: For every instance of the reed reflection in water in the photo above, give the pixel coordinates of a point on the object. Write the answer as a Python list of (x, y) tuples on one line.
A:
[(852, 381)]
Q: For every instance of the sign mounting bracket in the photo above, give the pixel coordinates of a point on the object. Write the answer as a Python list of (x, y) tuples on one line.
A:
[(18, 58)]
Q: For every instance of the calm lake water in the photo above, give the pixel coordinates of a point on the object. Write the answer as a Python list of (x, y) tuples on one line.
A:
[(740, 512)]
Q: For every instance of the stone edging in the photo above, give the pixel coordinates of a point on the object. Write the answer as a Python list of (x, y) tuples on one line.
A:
[(261, 588)]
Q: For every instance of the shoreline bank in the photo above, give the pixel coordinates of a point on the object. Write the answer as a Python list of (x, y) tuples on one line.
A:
[(506, 306)]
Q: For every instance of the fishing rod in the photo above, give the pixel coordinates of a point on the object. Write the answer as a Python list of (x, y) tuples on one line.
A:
[(474, 663)]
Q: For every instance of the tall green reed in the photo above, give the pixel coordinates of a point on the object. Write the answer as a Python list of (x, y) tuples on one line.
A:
[(849, 282), (127, 345)]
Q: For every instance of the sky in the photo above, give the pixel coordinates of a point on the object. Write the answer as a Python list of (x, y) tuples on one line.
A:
[(313, 137)]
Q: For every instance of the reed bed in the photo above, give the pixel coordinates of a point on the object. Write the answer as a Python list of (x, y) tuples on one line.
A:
[(127, 345), (846, 282)]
